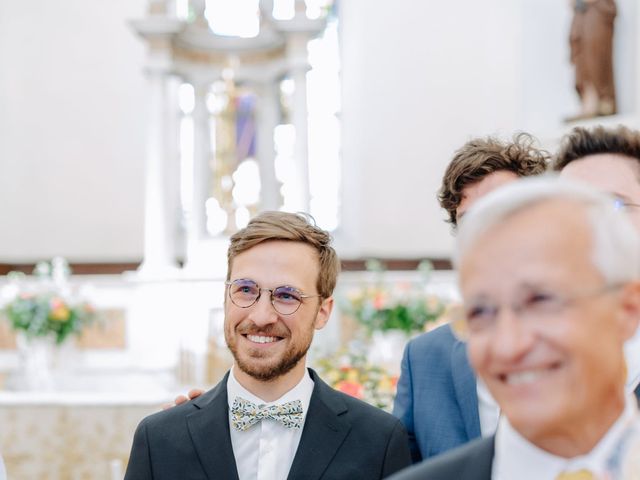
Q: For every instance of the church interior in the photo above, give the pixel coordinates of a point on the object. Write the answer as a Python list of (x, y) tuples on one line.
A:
[(137, 140)]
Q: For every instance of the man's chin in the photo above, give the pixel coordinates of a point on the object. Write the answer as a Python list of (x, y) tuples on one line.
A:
[(266, 370)]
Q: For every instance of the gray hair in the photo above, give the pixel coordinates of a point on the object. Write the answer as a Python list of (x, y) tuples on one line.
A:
[(616, 244)]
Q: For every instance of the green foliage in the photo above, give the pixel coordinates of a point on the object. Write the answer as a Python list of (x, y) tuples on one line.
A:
[(47, 314), (402, 306)]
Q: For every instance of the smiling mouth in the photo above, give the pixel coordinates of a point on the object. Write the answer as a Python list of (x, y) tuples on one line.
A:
[(526, 377), (262, 339)]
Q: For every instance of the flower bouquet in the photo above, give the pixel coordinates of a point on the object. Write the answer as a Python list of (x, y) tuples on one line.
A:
[(44, 314), (46, 307), (352, 374), (47, 314), (405, 306)]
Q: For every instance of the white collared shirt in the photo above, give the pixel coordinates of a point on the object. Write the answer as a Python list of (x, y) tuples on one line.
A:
[(265, 451), (632, 356), (488, 409), (516, 457)]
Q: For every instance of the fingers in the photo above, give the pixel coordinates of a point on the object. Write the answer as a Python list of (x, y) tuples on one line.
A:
[(180, 399), (194, 393)]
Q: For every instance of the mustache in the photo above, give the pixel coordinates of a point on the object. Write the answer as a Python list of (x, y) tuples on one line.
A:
[(250, 328)]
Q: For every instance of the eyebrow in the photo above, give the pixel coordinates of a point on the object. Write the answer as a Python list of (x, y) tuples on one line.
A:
[(619, 196)]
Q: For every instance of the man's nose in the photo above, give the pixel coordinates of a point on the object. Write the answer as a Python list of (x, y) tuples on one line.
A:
[(511, 337), (262, 312)]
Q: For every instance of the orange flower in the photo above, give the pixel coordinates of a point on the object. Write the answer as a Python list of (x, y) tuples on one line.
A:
[(59, 310), (353, 389)]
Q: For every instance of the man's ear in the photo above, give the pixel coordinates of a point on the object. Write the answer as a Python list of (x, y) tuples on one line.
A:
[(630, 309), (324, 312)]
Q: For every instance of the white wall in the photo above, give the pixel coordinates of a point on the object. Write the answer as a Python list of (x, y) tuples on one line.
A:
[(419, 79), (72, 118)]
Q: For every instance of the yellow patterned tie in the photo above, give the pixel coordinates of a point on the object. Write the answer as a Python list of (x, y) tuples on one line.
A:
[(577, 475)]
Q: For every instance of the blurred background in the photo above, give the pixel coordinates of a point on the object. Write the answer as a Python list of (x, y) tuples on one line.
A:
[(137, 135)]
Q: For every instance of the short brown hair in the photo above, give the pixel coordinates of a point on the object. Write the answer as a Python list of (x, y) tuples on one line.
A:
[(582, 142), (480, 157), (294, 227)]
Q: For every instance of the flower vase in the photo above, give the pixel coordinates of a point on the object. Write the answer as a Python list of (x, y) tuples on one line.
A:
[(386, 348), (36, 359)]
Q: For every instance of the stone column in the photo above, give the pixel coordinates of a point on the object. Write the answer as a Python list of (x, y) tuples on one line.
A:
[(267, 115), (196, 217), (159, 219), (298, 67)]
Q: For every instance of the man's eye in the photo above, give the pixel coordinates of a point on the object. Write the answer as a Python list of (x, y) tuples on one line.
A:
[(480, 312), (286, 296), (540, 300), (245, 289)]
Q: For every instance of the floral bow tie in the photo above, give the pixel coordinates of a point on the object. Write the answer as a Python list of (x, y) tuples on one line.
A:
[(245, 413)]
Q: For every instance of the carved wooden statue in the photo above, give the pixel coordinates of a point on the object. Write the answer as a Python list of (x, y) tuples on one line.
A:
[(591, 41)]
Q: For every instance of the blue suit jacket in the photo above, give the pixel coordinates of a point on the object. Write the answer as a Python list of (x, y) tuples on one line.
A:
[(437, 400)]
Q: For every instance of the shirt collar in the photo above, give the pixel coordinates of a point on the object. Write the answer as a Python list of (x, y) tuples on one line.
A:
[(632, 355), (516, 457)]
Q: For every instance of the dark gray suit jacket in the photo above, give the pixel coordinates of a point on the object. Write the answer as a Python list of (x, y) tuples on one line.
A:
[(343, 438), (468, 462), (472, 461)]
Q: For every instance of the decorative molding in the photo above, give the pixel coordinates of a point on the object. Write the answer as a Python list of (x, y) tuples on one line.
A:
[(91, 268), (356, 265), (115, 268)]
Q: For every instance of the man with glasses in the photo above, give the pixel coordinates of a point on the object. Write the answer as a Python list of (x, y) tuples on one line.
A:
[(549, 272), (271, 418), (438, 399), (609, 160)]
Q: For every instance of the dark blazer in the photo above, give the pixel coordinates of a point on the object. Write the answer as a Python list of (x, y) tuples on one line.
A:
[(472, 461), (343, 438), (437, 400)]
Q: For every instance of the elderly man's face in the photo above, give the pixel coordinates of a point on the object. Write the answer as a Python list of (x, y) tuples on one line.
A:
[(610, 173), (549, 369)]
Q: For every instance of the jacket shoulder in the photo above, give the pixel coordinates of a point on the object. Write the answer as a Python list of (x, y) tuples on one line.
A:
[(441, 338), (471, 461), (360, 412)]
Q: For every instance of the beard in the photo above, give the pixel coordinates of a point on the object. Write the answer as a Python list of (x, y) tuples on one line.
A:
[(256, 363)]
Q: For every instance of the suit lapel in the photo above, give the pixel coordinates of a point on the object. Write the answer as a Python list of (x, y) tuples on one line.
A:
[(209, 429), (480, 464), (324, 431), (464, 382)]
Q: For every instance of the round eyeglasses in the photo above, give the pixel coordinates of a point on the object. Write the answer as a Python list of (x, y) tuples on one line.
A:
[(286, 300), (534, 307), (620, 204)]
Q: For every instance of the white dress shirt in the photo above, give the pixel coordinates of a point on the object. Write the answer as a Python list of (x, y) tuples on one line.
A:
[(632, 355), (265, 451), (517, 458), (488, 410)]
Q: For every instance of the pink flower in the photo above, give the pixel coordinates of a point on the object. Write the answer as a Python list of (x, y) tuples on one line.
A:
[(379, 301), (350, 388)]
